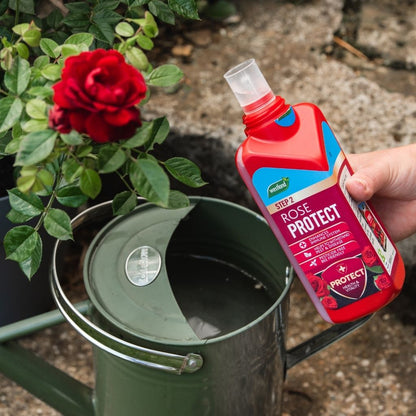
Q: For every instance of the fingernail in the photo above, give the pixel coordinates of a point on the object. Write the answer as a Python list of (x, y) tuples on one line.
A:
[(361, 184)]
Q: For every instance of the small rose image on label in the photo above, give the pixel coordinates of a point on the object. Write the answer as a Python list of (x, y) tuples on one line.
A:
[(369, 257), (382, 281), (318, 285), (329, 302)]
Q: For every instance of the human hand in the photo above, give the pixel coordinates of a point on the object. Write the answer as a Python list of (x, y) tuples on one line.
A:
[(388, 177)]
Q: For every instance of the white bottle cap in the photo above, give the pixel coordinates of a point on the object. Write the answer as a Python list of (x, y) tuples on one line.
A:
[(249, 86)]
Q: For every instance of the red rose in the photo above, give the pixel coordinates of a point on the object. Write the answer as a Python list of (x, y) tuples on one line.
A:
[(329, 302), (59, 119), (382, 281), (369, 257), (318, 285), (97, 94)]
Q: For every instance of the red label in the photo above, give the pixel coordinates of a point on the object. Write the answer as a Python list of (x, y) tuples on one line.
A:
[(336, 255)]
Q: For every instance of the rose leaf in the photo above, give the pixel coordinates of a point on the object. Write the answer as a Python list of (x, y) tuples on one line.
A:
[(71, 196), (165, 76), (141, 137), (110, 159), (20, 242), (160, 131), (185, 171), (35, 147), (36, 109), (185, 8), (49, 47), (22, 50), (58, 224), (18, 77), (10, 111), (26, 204), (24, 6), (150, 181), (148, 25), (124, 29), (90, 183), (52, 72), (79, 39), (72, 139), (124, 202), (102, 31), (162, 11), (32, 37), (137, 58), (30, 266), (144, 42), (177, 200), (16, 217)]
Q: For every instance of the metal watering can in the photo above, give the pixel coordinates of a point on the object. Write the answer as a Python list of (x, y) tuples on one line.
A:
[(187, 315)]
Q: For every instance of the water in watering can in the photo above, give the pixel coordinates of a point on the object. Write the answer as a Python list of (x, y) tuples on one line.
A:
[(209, 278), (222, 298)]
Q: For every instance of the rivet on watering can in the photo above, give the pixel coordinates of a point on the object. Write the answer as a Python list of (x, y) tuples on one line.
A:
[(143, 265), (191, 363), (287, 275)]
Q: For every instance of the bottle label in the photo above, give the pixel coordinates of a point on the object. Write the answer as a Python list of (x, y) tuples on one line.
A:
[(341, 247)]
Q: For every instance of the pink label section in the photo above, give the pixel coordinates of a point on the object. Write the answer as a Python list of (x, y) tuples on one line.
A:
[(325, 246), (319, 232), (329, 243)]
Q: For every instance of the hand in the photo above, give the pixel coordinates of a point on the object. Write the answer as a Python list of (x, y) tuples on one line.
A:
[(389, 178)]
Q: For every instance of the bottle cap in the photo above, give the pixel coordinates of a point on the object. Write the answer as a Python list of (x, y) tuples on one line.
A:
[(249, 86)]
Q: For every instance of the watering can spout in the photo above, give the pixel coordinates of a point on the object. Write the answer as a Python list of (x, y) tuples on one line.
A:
[(49, 384)]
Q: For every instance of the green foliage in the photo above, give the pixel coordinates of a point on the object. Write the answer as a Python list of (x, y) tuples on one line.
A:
[(219, 10), (66, 169), (148, 177), (185, 171)]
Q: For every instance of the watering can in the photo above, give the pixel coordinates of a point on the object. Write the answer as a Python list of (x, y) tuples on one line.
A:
[(187, 314)]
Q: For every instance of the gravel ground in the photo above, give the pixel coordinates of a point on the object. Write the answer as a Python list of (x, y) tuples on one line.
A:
[(369, 373)]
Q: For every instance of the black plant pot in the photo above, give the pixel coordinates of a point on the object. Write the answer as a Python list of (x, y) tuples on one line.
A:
[(19, 297)]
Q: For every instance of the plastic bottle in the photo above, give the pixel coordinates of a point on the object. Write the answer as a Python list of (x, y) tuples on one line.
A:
[(296, 171)]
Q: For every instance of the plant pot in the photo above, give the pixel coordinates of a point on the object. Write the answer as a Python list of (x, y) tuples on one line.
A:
[(19, 297)]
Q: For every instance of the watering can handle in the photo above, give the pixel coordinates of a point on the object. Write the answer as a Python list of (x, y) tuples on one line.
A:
[(321, 341), (171, 363)]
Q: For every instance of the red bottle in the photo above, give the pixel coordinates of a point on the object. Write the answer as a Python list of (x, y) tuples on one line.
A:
[(296, 171)]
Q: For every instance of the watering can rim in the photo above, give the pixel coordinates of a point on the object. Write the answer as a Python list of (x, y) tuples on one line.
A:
[(173, 363), (289, 275), (160, 339)]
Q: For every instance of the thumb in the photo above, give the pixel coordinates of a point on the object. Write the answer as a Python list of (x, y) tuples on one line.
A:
[(368, 180), (389, 173)]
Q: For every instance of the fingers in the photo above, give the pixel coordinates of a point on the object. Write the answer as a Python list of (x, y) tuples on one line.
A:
[(389, 173)]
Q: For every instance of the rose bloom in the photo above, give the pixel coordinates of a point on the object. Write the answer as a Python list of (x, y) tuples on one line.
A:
[(369, 257), (97, 95), (382, 282), (318, 285), (59, 119), (329, 302)]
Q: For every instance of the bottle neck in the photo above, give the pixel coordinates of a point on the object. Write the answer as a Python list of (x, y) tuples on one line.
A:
[(268, 109)]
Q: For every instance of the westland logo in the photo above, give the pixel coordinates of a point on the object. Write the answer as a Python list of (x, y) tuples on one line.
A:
[(277, 187)]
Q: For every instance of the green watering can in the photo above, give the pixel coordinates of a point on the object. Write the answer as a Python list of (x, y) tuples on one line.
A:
[(187, 315)]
